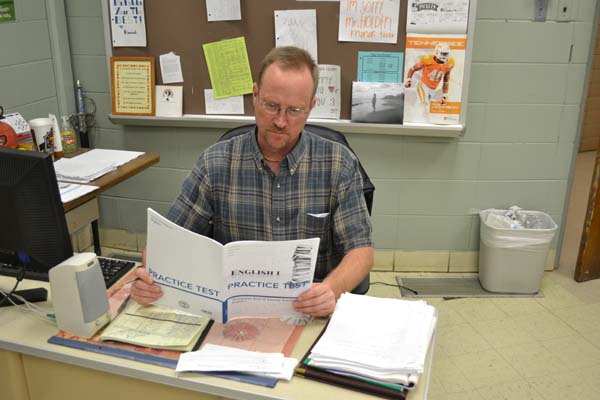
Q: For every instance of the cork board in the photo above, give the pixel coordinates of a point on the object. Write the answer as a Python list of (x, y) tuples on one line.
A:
[(182, 27)]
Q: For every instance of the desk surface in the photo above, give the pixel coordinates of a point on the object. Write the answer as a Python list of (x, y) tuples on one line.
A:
[(22, 332), (109, 180)]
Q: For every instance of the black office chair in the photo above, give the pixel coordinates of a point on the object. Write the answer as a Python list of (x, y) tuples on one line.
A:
[(368, 187)]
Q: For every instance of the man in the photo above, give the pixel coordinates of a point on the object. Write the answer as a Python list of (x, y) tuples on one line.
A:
[(435, 68), (281, 183)]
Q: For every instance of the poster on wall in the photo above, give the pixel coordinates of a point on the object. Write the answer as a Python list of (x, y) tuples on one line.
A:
[(369, 21), (437, 16), (128, 23), (7, 11), (433, 78)]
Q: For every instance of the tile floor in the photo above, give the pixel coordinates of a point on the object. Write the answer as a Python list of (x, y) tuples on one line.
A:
[(537, 348)]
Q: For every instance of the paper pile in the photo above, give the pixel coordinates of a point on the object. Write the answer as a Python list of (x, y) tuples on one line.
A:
[(380, 339), (91, 165), (213, 357)]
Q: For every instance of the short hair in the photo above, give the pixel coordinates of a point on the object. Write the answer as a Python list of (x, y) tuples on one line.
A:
[(290, 57)]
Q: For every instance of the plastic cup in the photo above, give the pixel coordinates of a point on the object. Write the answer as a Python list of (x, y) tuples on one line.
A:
[(43, 134)]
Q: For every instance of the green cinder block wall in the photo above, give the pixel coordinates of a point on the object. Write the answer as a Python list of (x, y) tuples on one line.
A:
[(526, 92)]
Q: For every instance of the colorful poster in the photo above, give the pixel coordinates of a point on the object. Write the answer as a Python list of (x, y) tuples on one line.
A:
[(369, 21), (380, 66), (297, 28), (433, 78), (7, 11), (328, 93), (228, 67), (128, 23)]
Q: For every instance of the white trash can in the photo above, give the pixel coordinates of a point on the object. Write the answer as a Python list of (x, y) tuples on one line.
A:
[(513, 260)]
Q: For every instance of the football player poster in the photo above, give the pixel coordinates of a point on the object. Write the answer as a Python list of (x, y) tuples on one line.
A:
[(433, 78)]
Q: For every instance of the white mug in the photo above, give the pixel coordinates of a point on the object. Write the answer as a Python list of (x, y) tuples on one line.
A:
[(43, 134)]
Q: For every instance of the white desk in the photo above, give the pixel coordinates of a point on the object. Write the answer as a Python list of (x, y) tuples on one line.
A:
[(32, 369)]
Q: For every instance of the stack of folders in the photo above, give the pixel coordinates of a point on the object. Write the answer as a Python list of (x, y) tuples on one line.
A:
[(91, 165), (374, 345)]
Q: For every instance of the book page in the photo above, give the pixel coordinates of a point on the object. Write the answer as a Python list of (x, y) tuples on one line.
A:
[(157, 327), (186, 265), (264, 278)]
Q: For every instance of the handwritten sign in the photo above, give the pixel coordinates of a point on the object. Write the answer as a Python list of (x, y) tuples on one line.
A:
[(127, 23), (369, 21), (297, 28), (328, 93)]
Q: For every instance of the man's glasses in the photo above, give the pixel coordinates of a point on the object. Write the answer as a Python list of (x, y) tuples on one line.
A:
[(274, 109)]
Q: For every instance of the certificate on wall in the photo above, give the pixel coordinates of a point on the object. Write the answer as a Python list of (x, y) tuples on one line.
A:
[(133, 83)]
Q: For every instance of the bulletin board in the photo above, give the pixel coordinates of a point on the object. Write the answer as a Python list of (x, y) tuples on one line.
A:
[(182, 27)]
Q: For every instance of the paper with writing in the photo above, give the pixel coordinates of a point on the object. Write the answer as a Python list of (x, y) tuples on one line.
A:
[(128, 23), (247, 278), (329, 90), (223, 10), (369, 21), (228, 67), (157, 327), (297, 28), (170, 68), (380, 66), (437, 16), (229, 105)]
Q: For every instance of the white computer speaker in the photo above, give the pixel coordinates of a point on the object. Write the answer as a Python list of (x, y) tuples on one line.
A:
[(79, 295)]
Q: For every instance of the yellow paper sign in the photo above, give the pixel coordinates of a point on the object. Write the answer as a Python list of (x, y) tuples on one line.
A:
[(228, 67)]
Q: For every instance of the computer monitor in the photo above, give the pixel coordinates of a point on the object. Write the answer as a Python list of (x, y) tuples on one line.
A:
[(33, 228)]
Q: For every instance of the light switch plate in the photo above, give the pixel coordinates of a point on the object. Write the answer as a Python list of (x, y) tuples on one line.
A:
[(564, 10)]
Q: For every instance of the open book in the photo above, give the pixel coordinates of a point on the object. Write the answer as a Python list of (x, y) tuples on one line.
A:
[(156, 327), (240, 279)]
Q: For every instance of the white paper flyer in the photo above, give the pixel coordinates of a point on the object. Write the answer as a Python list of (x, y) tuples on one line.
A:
[(240, 279)]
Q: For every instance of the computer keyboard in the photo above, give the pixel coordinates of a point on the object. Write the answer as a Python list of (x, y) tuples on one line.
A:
[(113, 269)]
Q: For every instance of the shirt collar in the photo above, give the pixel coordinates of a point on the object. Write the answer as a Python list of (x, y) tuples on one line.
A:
[(293, 158)]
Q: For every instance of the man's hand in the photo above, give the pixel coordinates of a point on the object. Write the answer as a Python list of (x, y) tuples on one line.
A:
[(144, 290), (407, 82), (318, 301)]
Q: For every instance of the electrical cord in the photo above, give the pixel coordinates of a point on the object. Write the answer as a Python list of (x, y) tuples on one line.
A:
[(6, 296), (398, 286), (44, 314)]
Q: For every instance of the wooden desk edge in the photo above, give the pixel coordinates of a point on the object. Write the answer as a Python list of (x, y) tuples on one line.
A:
[(115, 177)]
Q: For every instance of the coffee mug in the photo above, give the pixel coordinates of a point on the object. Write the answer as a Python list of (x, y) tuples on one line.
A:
[(43, 134)]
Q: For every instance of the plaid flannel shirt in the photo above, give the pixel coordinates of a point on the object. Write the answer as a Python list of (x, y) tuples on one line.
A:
[(231, 194)]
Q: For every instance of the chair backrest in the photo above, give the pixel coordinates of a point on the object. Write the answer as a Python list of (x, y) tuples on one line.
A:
[(368, 187)]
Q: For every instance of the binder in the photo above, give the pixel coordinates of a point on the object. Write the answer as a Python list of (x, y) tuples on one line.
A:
[(346, 382)]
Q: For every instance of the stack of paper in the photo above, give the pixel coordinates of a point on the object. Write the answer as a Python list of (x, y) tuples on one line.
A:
[(92, 164), (71, 191), (213, 357), (156, 327), (380, 339)]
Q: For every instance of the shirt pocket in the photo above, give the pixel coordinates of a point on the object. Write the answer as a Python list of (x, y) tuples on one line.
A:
[(317, 225)]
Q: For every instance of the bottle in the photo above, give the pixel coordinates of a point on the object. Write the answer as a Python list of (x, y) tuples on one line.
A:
[(67, 136), (56, 141)]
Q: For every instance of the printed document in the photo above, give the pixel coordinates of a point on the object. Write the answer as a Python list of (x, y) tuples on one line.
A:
[(241, 279)]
